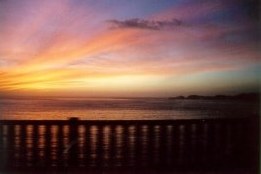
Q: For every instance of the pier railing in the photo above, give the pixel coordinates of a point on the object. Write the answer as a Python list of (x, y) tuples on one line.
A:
[(128, 144)]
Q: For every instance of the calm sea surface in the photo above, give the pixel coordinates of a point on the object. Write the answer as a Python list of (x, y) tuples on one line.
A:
[(120, 144), (122, 109)]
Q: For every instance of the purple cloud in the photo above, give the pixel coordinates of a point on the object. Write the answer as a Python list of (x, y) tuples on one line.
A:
[(145, 24)]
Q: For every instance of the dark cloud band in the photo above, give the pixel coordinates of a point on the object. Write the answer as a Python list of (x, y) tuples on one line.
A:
[(145, 24)]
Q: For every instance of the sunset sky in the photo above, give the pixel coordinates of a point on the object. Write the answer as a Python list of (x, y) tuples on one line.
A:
[(128, 47)]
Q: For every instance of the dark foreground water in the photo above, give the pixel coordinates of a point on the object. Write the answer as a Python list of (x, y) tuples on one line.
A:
[(134, 135), (136, 145), (123, 109)]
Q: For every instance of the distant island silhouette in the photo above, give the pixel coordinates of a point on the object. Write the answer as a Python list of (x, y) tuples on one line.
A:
[(242, 96)]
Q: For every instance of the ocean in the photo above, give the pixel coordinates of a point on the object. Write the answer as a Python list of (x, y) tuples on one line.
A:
[(127, 145), (122, 109)]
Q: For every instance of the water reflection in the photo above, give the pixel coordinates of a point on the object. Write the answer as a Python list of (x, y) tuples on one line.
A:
[(81, 144), (137, 145), (17, 141), (41, 145), (144, 145), (118, 145), (93, 143), (54, 145)]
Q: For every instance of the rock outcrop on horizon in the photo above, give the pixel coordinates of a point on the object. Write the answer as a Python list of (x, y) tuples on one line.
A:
[(242, 96)]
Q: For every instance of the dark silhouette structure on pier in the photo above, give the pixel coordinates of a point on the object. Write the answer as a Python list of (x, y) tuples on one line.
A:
[(56, 145)]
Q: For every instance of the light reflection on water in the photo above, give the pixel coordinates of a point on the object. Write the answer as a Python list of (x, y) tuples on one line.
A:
[(119, 145), (93, 142), (54, 145), (144, 149), (81, 144), (17, 144)]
